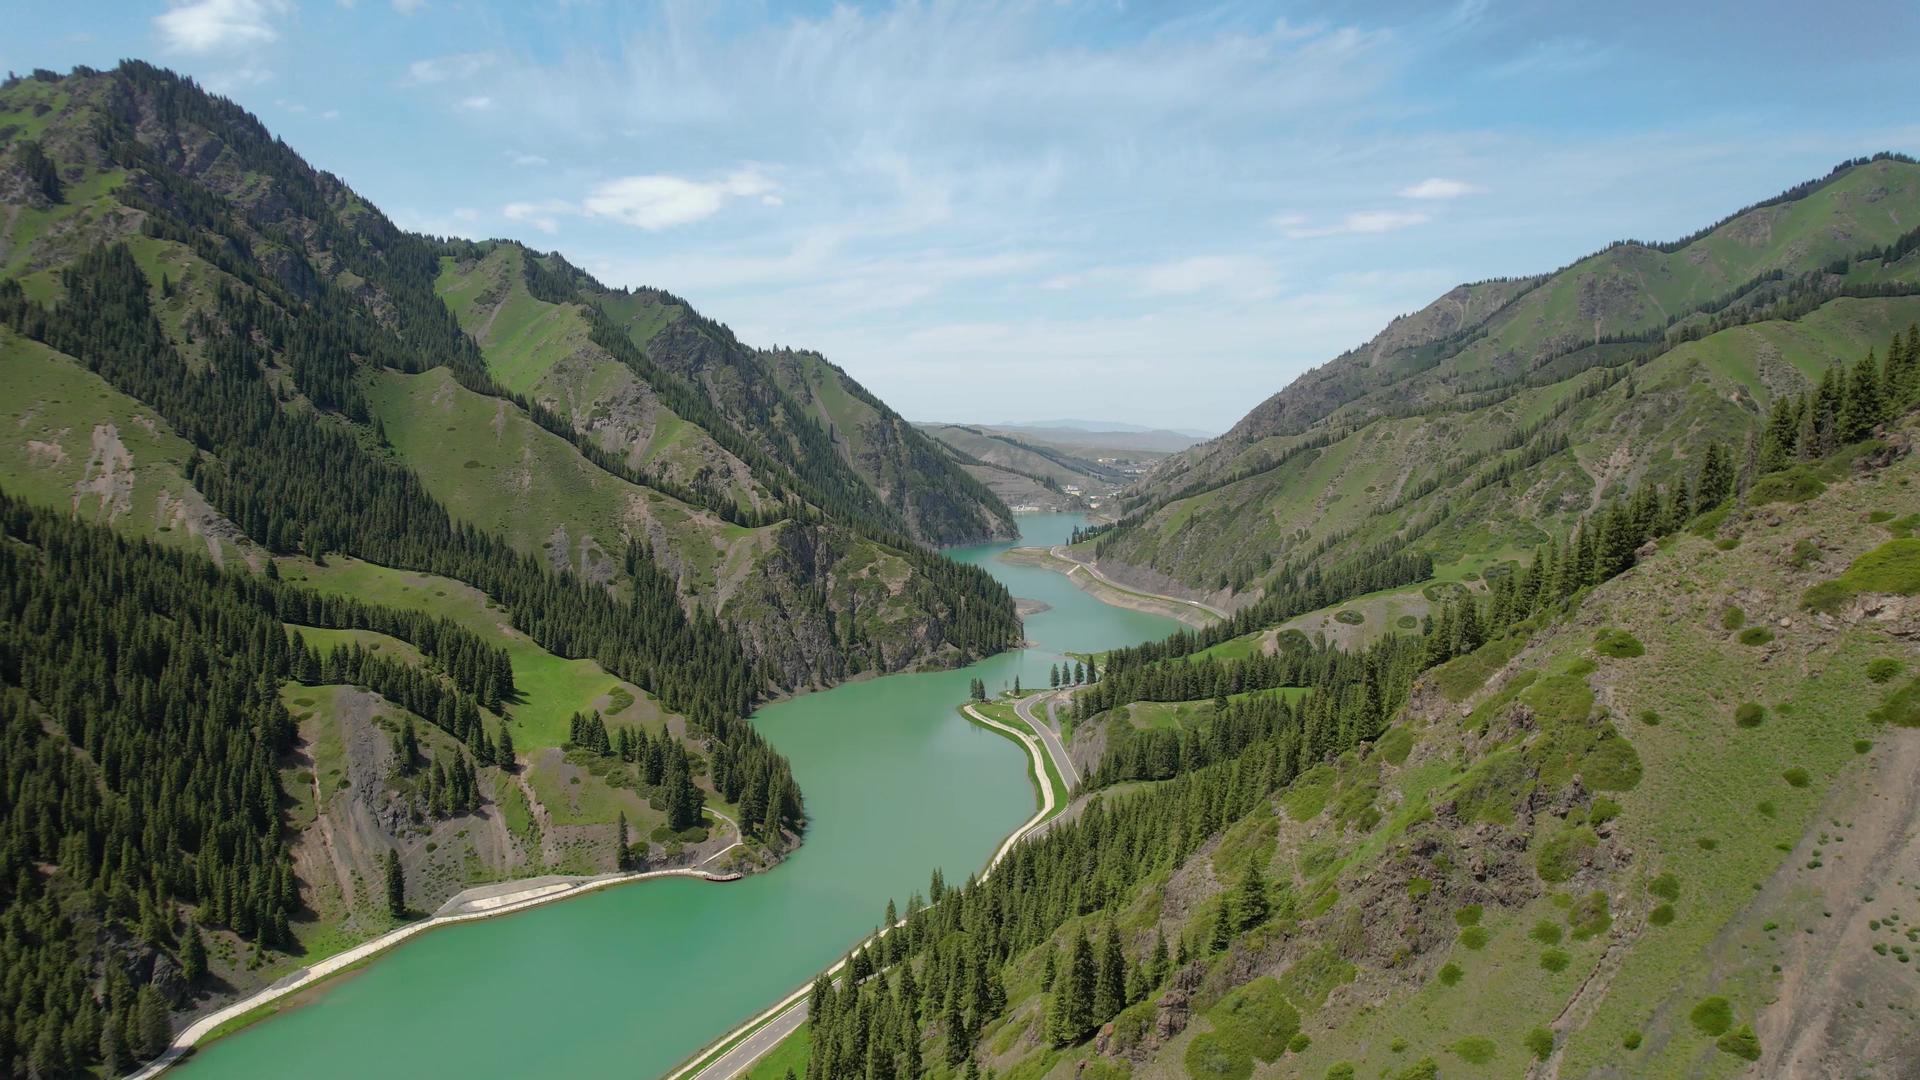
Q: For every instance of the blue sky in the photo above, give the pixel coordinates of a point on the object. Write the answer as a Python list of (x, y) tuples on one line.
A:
[(1154, 213)]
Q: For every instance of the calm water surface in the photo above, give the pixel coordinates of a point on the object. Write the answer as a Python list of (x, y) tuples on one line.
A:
[(630, 981)]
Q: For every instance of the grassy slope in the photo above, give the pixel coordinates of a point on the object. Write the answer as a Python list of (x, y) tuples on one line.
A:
[(75, 443), (544, 350), (1714, 386), (1711, 804), (551, 688), (491, 465), (878, 444)]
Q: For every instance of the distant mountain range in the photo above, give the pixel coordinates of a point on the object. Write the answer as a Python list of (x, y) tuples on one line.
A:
[(1102, 425)]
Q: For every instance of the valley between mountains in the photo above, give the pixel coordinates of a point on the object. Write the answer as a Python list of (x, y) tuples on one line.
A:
[(1529, 691)]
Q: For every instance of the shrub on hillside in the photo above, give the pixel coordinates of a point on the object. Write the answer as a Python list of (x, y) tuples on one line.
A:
[(1883, 669), (1619, 644), (1474, 1049), (1590, 916), (1741, 1043), (1749, 715), (1713, 1016), (1902, 707), (1794, 485), (1666, 886), (1561, 854), (1755, 635)]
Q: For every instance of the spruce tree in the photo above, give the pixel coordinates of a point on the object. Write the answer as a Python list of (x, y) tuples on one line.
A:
[(396, 886), (155, 1026), (1110, 986), (193, 956), (1251, 898)]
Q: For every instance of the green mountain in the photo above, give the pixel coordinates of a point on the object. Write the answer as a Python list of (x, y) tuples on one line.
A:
[(1643, 806), (415, 549), (1493, 417), (1565, 726)]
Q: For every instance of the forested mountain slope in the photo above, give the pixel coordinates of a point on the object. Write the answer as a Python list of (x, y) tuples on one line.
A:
[(1643, 806), (338, 556), (591, 352), (1479, 424)]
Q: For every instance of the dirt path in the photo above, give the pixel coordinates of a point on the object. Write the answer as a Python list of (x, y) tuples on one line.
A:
[(342, 873), (549, 845), (1841, 1004)]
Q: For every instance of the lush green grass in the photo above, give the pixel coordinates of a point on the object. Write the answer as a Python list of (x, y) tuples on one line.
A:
[(1003, 712), (77, 444), (521, 337), (551, 689), (1893, 567)]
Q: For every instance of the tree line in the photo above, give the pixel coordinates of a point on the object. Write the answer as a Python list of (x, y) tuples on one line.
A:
[(296, 481)]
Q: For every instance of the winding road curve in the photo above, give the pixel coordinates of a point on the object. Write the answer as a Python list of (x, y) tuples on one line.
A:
[(1059, 551), (784, 1018), (484, 902), (1049, 734)]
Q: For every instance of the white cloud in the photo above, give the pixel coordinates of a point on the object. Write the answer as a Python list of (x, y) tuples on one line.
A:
[(521, 159), (439, 69), (1439, 187), (408, 7), (1358, 223), (541, 215), (476, 103), (1239, 277), (660, 202), (212, 26)]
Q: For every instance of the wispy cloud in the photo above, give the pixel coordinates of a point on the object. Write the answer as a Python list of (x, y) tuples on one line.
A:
[(1554, 56), (476, 103), (525, 160), (1439, 187), (1238, 277), (1358, 223), (543, 215), (439, 69), (217, 26)]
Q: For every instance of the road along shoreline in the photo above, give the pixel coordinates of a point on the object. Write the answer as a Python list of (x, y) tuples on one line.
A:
[(738, 1049), (1089, 579)]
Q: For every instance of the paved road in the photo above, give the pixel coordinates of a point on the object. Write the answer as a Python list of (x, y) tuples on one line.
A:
[(755, 1046), (1060, 552), (787, 1016), (1050, 735)]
